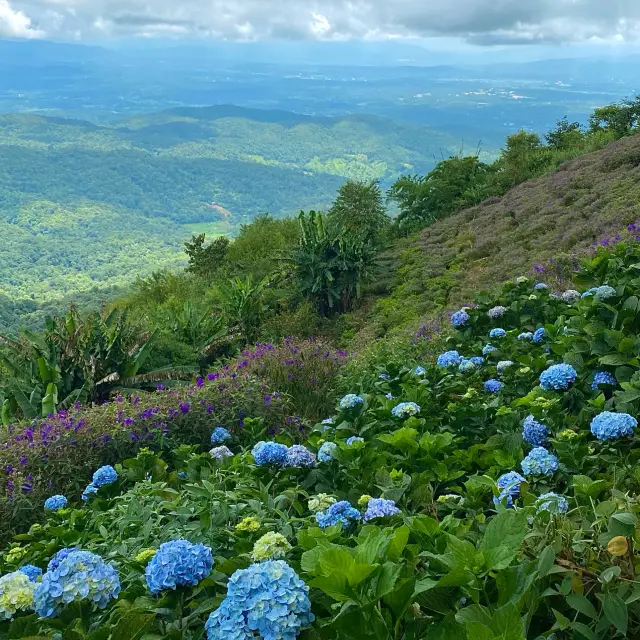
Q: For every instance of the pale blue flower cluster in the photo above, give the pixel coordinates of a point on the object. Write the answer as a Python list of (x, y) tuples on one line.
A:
[(104, 476), (525, 335), (55, 503), (503, 365), (477, 360), (380, 508), (558, 377), (339, 513), (82, 575), (570, 296), (54, 563), (300, 457), (539, 335), (350, 401), (497, 333), (327, 422), (534, 432), (553, 503), (605, 292), (353, 439), (266, 453), (539, 462), (389, 396), (419, 371), (178, 563), (589, 292), (31, 571), (268, 600), (611, 426), (89, 491), (220, 453), (496, 312), (326, 450), (466, 366), (384, 376), (541, 286), (487, 349), (405, 410), (220, 435), (493, 386), (603, 377), (449, 358), (509, 485), (459, 318)]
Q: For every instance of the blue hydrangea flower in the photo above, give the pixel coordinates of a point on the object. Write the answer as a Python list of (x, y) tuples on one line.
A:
[(104, 476), (497, 333), (389, 396), (534, 432), (605, 292), (493, 386), (558, 377), (220, 435), (496, 312), (466, 366), (220, 453), (487, 349), (503, 365), (525, 335), (539, 462), (477, 360), (353, 440), (327, 422), (265, 453), (553, 503), (178, 563), (350, 401), (326, 450), (16, 594), (299, 456), (419, 371), (509, 485), (89, 491), (340, 512), (405, 410), (603, 377), (31, 571), (54, 563), (570, 296), (589, 292), (380, 508), (449, 358), (539, 335), (268, 600), (82, 575), (384, 376), (540, 286), (611, 426), (459, 318), (55, 503)]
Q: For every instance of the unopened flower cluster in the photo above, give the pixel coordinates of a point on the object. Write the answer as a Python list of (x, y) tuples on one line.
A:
[(271, 546)]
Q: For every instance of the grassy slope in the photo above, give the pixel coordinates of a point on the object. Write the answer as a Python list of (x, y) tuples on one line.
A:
[(559, 216)]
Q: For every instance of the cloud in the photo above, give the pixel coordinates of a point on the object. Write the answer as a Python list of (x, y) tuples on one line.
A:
[(15, 24), (483, 22)]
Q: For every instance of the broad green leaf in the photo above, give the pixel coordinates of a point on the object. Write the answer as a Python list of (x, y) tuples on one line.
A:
[(503, 538), (546, 560), (132, 626), (583, 605), (584, 630), (615, 611)]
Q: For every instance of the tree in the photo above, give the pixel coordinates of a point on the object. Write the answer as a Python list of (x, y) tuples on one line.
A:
[(205, 260), (620, 119), (244, 306), (566, 135), (360, 211)]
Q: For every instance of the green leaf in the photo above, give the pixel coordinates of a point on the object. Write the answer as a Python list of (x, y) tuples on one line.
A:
[(546, 561), (398, 543), (615, 359), (387, 578), (132, 626), (502, 539), (582, 604), (584, 630), (615, 611)]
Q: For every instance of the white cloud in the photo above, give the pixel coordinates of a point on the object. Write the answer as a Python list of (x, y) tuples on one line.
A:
[(476, 21), (15, 24)]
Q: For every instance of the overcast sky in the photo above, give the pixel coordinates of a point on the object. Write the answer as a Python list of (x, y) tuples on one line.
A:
[(478, 22)]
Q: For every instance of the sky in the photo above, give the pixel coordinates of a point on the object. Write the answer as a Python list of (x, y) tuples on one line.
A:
[(480, 23)]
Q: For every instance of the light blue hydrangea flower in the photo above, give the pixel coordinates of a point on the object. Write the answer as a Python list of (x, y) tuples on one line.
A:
[(449, 358), (178, 563), (405, 410), (104, 476), (605, 292), (570, 296), (603, 377), (390, 396), (265, 453), (327, 422), (525, 335), (220, 453), (380, 508), (55, 503), (503, 365), (466, 366), (553, 503), (539, 335), (539, 462), (541, 286), (220, 435), (16, 594), (354, 440), (477, 360), (509, 485), (384, 376), (496, 312), (300, 457), (493, 386), (487, 349), (325, 453), (82, 575), (31, 571), (268, 600), (497, 333), (459, 319), (558, 377), (54, 563), (419, 371), (611, 426), (339, 513), (534, 432), (89, 491), (350, 401), (589, 292)]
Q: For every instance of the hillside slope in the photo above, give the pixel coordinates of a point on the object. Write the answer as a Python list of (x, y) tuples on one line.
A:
[(555, 217)]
